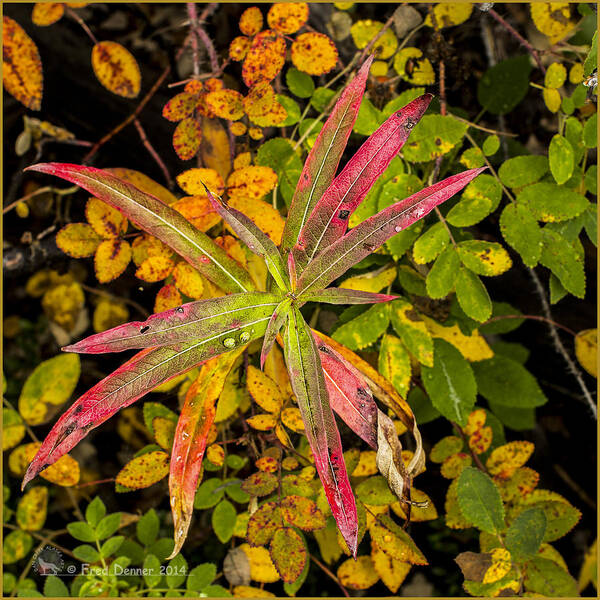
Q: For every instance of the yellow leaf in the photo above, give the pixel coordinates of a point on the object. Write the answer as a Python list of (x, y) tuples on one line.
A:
[(481, 440), (247, 591), (393, 572), (167, 297), (261, 566), (265, 57), (192, 180), (448, 14), (144, 470), (111, 259), (146, 246), (586, 350), (231, 397), (64, 472), (364, 31), (263, 214), (410, 65), (105, 220), (289, 463), (359, 574), (109, 313), (473, 347), (216, 455), (47, 13), (63, 303), (251, 183), (225, 104), (21, 66), (144, 183), (268, 464), (32, 509), (426, 512), (260, 100), (452, 467), (264, 390), (262, 422), (277, 114), (576, 73), (188, 280), (287, 17), (275, 368), (116, 69), (186, 138), (501, 565), (292, 419), (164, 432), (555, 76), (282, 436), (475, 421), (589, 569), (180, 106), (552, 99), (520, 484), (238, 128), (454, 516), (251, 21), (155, 268), (506, 459), (13, 430), (78, 240), (447, 446), (239, 48), (314, 53), (552, 19), (198, 211), (256, 133), (374, 281), (366, 464)]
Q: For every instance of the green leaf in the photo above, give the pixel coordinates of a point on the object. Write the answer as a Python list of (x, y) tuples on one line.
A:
[(201, 576), (480, 198), (519, 419), (216, 591), (479, 500), (55, 588), (574, 133), (591, 61), (431, 243), (433, 136), (299, 83), (561, 158), (291, 108), (484, 258), (111, 545), (422, 407), (176, 571), (545, 578), (450, 383), (206, 496), (472, 296), (147, 528), (591, 180), (502, 325), (95, 511), (521, 230), (549, 202), (394, 363), (151, 573), (561, 516), (86, 553), (411, 281), (365, 329), (491, 145), (504, 381), (411, 329), (321, 98), (81, 531), (562, 259), (107, 526), (440, 279), (368, 119), (556, 75), (289, 553), (590, 137), (525, 534), (523, 170), (291, 588), (504, 85), (223, 520), (278, 153), (375, 491), (557, 291)]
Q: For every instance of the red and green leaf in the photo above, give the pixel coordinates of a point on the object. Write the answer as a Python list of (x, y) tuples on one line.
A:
[(162, 221), (365, 238), (322, 162), (276, 322), (329, 219), (237, 317), (344, 296), (308, 383)]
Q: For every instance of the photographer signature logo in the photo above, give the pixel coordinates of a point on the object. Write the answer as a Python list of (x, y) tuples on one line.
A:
[(48, 561)]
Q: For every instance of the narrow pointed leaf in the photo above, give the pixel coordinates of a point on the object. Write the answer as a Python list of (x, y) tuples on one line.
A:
[(329, 220), (258, 241), (344, 296), (276, 322), (193, 426), (158, 219), (142, 373), (361, 241), (238, 318), (349, 394), (324, 157), (308, 382)]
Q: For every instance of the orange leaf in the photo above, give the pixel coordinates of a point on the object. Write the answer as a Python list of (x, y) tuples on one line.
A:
[(251, 183), (314, 53), (180, 106), (239, 48), (238, 128), (78, 240), (168, 297), (105, 220), (226, 104), (193, 87), (287, 17), (186, 138), (155, 268), (475, 421), (268, 464), (265, 58), (116, 69), (193, 181), (47, 13), (21, 65), (111, 259), (188, 280), (215, 149), (260, 100), (198, 211), (251, 21), (263, 214), (145, 246)]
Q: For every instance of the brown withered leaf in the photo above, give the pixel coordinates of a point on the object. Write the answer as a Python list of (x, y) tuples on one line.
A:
[(474, 564), (236, 567), (389, 455)]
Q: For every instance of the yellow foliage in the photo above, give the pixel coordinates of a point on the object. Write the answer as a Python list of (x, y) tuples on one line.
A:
[(506, 459), (32, 509), (265, 57), (111, 259), (198, 211), (552, 19), (287, 17), (116, 69), (364, 31), (473, 347), (144, 470), (188, 280), (251, 183), (448, 14), (78, 240), (268, 464), (277, 114), (226, 104), (371, 282), (256, 133), (314, 53), (261, 566), (393, 572), (410, 65), (366, 464), (453, 466), (105, 220), (247, 591), (144, 183), (251, 21), (262, 422), (63, 303), (47, 13), (475, 421), (13, 430), (359, 574), (425, 512), (64, 472), (263, 214), (586, 350), (215, 454), (238, 128), (154, 268), (186, 138), (109, 313), (264, 390), (260, 100), (501, 565), (193, 181), (239, 48), (164, 432), (481, 440), (555, 76), (167, 297)]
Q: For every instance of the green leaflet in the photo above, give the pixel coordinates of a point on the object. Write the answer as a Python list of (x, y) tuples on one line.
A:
[(561, 158), (433, 136), (440, 279), (394, 363), (299, 83), (545, 578), (526, 533), (562, 259), (365, 329), (480, 198), (223, 520), (411, 329), (504, 85), (450, 383), (521, 230), (549, 202), (479, 500), (472, 296), (523, 170), (431, 243)]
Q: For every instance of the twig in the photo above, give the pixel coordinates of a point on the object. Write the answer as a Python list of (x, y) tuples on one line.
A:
[(153, 152), (330, 575), (193, 16), (519, 38), (559, 345), (533, 317), (210, 49), (480, 127), (132, 303), (476, 458), (81, 22), (42, 190), (574, 486), (97, 482)]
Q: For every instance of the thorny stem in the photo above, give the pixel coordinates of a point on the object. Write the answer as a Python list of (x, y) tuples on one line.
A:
[(42, 190), (153, 152), (519, 38), (533, 317), (81, 22), (210, 49), (559, 346), (330, 575), (193, 16)]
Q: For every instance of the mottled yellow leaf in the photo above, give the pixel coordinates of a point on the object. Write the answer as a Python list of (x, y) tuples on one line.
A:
[(447, 14), (111, 259), (314, 53), (47, 13), (359, 574), (78, 240), (501, 565), (424, 510), (267, 218), (144, 183), (215, 454), (481, 440), (144, 470), (193, 181), (32, 509), (238, 48), (251, 21), (412, 67), (13, 430), (186, 138), (116, 69), (265, 57), (365, 30), (155, 268), (63, 303), (188, 280), (264, 390), (287, 17), (475, 421), (262, 422), (180, 106), (64, 472), (109, 313), (261, 565), (506, 459), (374, 281), (552, 19), (366, 464), (167, 297), (452, 467), (586, 350)]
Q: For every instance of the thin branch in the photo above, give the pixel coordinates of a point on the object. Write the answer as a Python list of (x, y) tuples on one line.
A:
[(476, 458), (533, 317), (81, 22), (106, 294), (480, 127), (330, 575), (212, 53), (153, 152)]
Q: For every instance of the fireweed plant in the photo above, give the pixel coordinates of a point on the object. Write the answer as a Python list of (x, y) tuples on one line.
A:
[(316, 249)]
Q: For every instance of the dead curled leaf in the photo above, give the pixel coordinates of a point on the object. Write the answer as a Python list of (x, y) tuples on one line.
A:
[(389, 455)]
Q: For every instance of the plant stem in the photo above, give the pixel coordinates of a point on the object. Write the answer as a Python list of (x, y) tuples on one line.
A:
[(475, 457), (42, 190), (330, 575), (533, 317), (81, 22), (106, 294), (153, 153)]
